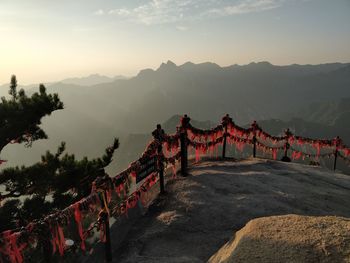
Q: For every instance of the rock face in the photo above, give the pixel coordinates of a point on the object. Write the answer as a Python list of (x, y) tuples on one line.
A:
[(289, 238), (201, 212)]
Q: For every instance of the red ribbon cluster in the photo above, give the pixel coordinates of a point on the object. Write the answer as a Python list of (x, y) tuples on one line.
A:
[(345, 159), (237, 131), (171, 145), (198, 135), (202, 148), (11, 248), (203, 141), (13, 243), (131, 200), (268, 149), (58, 240), (346, 151), (240, 137), (264, 135)]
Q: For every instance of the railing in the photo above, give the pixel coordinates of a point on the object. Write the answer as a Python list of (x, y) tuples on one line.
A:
[(110, 196)]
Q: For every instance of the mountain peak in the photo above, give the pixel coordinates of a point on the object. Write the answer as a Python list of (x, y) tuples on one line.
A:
[(168, 65), (261, 64), (145, 72), (95, 75), (210, 65), (188, 63), (90, 80)]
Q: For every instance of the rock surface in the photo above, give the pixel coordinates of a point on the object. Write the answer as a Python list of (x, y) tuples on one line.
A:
[(201, 212), (289, 238)]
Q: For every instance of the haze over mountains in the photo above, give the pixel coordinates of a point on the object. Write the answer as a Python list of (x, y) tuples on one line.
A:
[(91, 80), (106, 108)]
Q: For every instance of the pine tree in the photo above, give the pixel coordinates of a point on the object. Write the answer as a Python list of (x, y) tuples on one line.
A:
[(13, 87), (21, 115), (58, 176)]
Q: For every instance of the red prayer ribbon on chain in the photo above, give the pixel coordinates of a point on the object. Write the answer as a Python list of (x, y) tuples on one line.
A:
[(58, 240), (78, 220), (10, 248)]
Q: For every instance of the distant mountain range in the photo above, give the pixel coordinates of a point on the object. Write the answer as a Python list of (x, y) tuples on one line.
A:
[(335, 113), (95, 113), (254, 91), (91, 80), (205, 91)]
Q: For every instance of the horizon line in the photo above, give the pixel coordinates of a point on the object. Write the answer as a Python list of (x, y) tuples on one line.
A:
[(171, 62)]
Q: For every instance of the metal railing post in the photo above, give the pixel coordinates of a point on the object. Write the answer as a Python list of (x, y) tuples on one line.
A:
[(184, 144), (254, 127), (108, 243), (336, 142), (158, 135), (225, 121), (288, 134)]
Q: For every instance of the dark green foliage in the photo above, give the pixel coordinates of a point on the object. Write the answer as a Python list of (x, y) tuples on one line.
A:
[(31, 208), (13, 87), (57, 180), (54, 183), (8, 212), (21, 115)]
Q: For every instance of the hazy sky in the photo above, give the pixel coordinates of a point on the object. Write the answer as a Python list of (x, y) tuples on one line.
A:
[(47, 40)]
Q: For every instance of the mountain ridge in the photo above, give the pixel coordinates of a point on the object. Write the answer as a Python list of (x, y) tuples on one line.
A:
[(327, 67), (204, 91)]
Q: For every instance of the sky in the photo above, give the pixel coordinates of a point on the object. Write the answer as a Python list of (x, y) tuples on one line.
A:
[(49, 40)]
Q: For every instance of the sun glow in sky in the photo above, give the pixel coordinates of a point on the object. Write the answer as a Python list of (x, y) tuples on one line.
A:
[(48, 40)]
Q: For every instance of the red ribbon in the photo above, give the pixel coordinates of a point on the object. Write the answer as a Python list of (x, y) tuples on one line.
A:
[(78, 220), (274, 154), (10, 247)]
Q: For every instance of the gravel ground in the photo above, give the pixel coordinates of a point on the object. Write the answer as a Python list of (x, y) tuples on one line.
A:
[(201, 212)]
